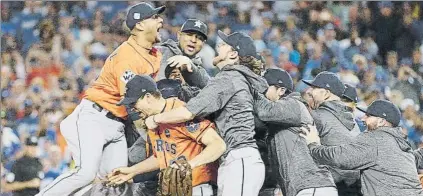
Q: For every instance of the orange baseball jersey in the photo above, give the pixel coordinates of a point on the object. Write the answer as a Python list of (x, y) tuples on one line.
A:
[(126, 61), (171, 142)]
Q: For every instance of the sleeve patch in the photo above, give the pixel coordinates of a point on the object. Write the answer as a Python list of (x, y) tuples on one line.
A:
[(126, 76), (192, 126)]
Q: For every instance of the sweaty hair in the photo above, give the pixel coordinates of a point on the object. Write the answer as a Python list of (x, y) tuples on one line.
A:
[(256, 65)]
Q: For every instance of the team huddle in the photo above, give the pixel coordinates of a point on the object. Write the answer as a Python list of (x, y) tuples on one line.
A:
[(155, 123)]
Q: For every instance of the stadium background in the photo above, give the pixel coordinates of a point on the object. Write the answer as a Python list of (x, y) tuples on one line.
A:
[(51, 51)]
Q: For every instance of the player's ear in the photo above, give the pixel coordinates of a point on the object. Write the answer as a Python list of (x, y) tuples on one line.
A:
[(139, 26), (233, 54), (178, 35)]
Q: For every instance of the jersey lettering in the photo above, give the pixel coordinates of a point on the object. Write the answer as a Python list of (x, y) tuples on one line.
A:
[(165, 146), (127, 75)]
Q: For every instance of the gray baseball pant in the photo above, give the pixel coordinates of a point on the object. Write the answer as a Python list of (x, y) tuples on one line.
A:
[(97, 144), (322, 191), (241, 173)]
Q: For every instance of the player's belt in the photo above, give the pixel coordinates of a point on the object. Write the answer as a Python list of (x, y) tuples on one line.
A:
[(109, 114)]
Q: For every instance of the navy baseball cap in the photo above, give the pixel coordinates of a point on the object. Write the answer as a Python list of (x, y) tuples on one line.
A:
[(137, 87), (169, 88), (194, 25), (140, 12), (383, 109), (328, 81), (279, 77), (350, 93), (241, 42)]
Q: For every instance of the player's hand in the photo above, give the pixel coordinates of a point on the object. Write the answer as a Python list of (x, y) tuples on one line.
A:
[(181, 62), (310, 134), (150, 123), (120, 176)]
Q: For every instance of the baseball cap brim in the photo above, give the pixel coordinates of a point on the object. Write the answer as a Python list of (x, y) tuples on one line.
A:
[(159, 10), (223, 36), (127, 101), (364, 110), (196, 31), (310, 83)]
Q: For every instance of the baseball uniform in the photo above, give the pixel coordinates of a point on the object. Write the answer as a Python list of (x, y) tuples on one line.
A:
[(230, 98), (336, 126), (171, 142), (95, 130)]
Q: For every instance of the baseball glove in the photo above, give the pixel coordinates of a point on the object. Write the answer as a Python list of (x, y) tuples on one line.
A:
[(175, 181)]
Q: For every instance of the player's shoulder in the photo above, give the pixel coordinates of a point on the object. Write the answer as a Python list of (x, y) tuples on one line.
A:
[(121, 53)]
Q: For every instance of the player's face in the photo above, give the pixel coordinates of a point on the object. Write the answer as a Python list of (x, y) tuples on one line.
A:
[(224, 52), (274, 93), (316, 96), (190, 42), (151, 28), (371, 122), (176, 75), (147, 106)]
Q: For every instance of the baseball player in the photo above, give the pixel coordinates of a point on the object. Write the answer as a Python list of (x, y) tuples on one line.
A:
[(191, 38), (187, 91), (95, 129), (335, 123), (350, 97), (229, 96), (195, 141), (291, 162), (146, 184), (382, 154)]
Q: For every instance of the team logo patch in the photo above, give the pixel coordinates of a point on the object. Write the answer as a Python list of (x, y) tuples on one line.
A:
[(198, 24), (192, 126), (167, 133), (127, 75)]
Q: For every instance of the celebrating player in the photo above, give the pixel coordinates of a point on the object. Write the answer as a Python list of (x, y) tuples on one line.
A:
[(97, 120), (195, 141), (229, 96)]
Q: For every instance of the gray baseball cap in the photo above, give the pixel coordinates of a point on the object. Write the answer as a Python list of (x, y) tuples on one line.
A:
[(350, 93), (137, 87), (383, 109), (140, 12), (195, 25), (328, 81), (241, 42), (279, 77)]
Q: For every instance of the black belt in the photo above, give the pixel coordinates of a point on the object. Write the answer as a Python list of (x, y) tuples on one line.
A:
[(109, 114)]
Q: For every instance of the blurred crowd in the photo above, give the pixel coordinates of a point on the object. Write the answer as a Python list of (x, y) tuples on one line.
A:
[(51, 51)]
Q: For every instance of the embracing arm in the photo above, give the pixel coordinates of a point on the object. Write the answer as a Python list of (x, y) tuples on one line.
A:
[(284, 111), (178, 115), (210, 99), (215, 147), (198, 77), (359, 154)]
